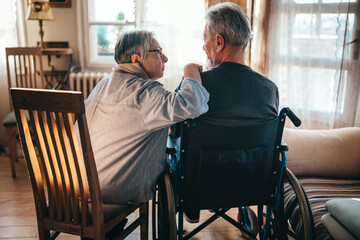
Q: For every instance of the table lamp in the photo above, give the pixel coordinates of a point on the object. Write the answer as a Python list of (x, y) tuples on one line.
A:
[(40, 10)]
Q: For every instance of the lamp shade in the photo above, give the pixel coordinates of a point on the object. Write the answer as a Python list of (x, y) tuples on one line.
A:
[(39, 10)]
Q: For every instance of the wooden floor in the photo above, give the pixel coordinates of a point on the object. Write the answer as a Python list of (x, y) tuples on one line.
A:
[(18, 217)]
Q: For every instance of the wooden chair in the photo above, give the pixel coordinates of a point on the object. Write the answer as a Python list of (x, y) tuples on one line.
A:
[(24, 69), (63, 172)]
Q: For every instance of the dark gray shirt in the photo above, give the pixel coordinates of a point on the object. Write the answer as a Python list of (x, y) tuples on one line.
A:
[(239, 96)]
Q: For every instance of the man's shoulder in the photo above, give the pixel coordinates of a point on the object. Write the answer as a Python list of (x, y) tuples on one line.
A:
[(234, 73), (227, 67)]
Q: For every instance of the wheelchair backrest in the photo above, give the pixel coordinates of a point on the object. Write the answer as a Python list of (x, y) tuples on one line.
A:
[(228, 166)]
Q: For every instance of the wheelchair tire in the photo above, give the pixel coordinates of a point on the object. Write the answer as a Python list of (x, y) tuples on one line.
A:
[(164, 217), (307, 231), (281, 220), (253, 221)]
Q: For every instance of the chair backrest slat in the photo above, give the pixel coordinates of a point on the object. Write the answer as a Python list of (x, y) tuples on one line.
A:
[(56, 153), (53, 166), (27, 71), (17, 65), (79, 170), (65, 174), (74, 186), (33, 164), (20, 71), (44, 160)]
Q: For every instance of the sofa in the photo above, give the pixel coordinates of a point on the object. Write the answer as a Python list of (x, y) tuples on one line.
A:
[(327, 163)]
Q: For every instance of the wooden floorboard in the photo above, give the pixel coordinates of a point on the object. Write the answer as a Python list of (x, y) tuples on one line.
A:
[(18, 216)]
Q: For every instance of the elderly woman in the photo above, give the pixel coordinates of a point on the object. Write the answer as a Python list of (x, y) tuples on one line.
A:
[(129, 114)]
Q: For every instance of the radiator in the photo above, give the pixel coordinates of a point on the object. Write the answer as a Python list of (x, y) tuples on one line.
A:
[(85, 81)]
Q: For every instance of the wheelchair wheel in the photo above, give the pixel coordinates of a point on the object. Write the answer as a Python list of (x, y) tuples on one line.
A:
[(280, 222), (252, 220), (306, 227), (164, 219)]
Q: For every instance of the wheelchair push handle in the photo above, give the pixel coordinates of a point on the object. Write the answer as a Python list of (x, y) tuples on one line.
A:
[(296, 121)]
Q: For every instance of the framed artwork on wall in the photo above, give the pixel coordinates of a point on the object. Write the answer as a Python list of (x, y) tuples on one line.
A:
[(60, 3), (57, 3)]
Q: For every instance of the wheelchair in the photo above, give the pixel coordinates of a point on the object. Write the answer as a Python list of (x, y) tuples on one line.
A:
[(227, 167)]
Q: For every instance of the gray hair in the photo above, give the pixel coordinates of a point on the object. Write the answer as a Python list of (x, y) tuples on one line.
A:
[(229, 20), (133, 42)]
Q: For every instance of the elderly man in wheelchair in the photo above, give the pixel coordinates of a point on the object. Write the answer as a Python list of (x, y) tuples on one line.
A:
[(233, 155), (227, 167)]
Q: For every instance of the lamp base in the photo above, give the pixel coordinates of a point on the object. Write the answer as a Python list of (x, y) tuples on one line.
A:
[(41, 33)]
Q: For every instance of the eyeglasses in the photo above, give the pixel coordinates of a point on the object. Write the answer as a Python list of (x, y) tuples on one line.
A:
[(159, 51)]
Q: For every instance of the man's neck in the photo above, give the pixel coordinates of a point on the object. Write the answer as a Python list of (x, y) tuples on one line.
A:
[(233, 54)]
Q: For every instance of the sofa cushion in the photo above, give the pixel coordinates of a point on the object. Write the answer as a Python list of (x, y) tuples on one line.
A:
[(337, 231), (324, 153), (346, 212)]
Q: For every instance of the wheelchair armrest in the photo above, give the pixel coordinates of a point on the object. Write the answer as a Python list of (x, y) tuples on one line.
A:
[(287, 112), (284, 146)]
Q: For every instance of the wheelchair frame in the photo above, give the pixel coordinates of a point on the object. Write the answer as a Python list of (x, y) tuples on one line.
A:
[(273, 224)]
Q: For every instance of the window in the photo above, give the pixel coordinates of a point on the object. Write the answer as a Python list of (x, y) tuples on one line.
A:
[(307, 57), (106, 21), (178, 27)]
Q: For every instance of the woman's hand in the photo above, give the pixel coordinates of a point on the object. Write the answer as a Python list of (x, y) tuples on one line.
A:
[(193, 70)]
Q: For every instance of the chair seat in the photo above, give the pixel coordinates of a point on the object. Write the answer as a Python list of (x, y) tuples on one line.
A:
[(112, 210), (319, 191), (10, 119)]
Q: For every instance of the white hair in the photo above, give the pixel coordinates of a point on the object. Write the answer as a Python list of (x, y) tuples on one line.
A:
[(133, 42), (229, 20)]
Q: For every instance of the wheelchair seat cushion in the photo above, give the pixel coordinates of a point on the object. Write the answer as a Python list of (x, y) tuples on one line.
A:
[(10, 119)]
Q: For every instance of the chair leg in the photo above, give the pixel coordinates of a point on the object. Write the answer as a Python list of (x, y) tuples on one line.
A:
[(43, 233), (12, 146), (144, 226)]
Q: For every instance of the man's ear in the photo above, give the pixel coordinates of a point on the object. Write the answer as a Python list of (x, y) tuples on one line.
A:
[(135, 58), (220, 43)]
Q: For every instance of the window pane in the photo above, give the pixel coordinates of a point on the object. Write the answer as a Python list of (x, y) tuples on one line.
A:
[(321, 1), (311, 88), (306, 1), (337, 1), (318, 36), (106, 37), (112, 10), (329, 21)]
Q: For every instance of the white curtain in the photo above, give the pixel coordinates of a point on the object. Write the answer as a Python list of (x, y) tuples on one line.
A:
[(311, 53), (178, 26), (8, 38)]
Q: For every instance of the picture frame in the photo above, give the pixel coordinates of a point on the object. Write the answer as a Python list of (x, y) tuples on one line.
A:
[(57, 3), (60, 3)]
